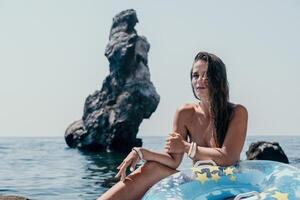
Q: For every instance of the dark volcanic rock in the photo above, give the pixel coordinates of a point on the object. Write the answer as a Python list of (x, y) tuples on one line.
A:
[(263, 150), (112, 115)]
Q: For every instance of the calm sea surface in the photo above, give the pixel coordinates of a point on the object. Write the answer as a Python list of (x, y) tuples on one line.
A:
[(45, 168)]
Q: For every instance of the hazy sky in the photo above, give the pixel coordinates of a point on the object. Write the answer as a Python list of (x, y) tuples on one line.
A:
[(52, 58)]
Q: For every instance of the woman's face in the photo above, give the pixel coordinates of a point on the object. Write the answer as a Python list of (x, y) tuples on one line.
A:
[(199, 79)]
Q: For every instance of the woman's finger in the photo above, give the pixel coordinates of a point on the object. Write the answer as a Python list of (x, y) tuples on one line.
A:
[(133, 164), (123, 173), (120, 165), (122, 169), (175, 136), (118, 174), (135, 160)]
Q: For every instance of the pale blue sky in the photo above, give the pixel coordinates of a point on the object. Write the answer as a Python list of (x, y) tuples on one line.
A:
[(52, 58)]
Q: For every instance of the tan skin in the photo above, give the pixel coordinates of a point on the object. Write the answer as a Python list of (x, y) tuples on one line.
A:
[(194, 119)]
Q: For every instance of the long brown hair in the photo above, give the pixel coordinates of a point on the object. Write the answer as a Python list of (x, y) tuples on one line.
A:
[(220, 107)]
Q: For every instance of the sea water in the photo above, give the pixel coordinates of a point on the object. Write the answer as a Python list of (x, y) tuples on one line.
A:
[(45, 168)]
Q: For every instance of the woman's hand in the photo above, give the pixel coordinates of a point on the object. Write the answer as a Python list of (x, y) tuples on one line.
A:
[(131, 160), (175, 143)]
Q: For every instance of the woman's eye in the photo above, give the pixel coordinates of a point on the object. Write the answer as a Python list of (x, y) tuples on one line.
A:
[(195, 76)]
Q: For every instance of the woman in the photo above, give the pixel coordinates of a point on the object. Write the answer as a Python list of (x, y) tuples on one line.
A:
[(215, 128)]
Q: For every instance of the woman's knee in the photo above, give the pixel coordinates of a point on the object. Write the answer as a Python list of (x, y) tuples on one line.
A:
[(157, 168), (151, 165)]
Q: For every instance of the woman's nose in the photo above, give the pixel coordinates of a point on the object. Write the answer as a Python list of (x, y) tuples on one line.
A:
[(202, 79)]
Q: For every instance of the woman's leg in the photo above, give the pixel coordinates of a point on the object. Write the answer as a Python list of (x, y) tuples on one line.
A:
[(137, 183)]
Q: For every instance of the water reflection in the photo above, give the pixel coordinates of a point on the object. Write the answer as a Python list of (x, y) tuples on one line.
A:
[(101, 168)]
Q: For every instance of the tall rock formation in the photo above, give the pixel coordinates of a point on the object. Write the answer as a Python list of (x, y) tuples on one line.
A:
[(112, 116)]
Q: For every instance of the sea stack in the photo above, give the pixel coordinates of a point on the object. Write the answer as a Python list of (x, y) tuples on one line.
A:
[(112, 115)]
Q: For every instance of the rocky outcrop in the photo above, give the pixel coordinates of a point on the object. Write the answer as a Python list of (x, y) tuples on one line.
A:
[(263, 150), (112, 116)]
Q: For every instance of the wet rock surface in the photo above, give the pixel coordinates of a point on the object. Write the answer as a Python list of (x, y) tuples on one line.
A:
[(263, 150), (112, 115)]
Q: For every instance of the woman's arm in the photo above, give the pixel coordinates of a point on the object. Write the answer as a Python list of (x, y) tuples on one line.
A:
[(171, 160), (233, 143), (232, 146)]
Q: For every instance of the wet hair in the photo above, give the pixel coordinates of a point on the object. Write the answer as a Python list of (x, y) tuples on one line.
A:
[(221, 109)]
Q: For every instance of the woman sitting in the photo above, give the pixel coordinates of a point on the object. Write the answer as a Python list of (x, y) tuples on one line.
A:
[(215, 127)]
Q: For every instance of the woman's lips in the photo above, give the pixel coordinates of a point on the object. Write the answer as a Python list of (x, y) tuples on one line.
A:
[(200, 88)]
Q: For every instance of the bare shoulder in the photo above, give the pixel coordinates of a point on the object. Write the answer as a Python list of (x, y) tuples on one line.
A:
[(182, 118), (240, 111), (186, 111)]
